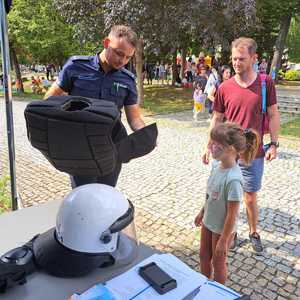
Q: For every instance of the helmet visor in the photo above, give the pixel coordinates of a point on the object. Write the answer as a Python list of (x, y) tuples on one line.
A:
[(127, 246)]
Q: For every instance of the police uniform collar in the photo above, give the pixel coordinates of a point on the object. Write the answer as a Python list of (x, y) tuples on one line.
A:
[(97, 64), (96, 61)]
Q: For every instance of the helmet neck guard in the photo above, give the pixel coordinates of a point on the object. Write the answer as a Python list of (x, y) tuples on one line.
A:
[(58, 260)]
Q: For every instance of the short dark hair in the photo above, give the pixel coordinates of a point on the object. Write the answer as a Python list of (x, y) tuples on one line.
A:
[(222, 70), (248, 43), (122, 31)]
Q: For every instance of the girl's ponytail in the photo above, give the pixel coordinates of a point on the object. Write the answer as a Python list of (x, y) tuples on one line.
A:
[(252, 145)]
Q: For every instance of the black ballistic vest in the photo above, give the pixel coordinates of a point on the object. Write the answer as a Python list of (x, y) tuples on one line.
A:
[(84, 136)]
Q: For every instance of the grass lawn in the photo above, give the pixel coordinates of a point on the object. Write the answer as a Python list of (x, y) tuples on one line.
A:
[(158, 99), (5, 202), (167, 99), (291, 128), (27, 94)]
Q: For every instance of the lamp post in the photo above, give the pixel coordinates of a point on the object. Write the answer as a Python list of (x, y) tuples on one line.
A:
[(4, 9)]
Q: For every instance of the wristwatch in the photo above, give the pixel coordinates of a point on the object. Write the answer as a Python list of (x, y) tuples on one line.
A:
[(276, 144)]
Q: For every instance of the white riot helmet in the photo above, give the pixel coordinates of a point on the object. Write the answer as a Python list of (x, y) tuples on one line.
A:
[(86, 215), (94, 227)]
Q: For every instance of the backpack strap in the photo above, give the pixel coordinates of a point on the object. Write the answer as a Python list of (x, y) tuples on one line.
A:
[(263, 93)]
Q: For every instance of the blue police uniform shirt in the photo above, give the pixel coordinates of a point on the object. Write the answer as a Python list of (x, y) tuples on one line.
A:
[(84, 76)]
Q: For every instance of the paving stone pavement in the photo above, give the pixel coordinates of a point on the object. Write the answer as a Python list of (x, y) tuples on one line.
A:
[(167, 188)]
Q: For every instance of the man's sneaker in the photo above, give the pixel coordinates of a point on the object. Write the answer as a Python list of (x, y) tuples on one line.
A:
[(234, 243), (256, 242)]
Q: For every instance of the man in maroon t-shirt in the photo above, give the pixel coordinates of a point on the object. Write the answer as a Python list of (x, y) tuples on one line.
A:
[(239, 100)]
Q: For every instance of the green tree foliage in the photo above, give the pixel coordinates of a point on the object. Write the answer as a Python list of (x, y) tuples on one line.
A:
[(222, 22), (270, 13), (293, 40), (226, 20), (159, 23), (271, 35), (86, 17), (163, 26), (39, 34)]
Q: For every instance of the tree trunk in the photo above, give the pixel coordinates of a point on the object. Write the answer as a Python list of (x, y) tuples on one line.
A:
[(183, 63), (279, 45), (174, 67), (17, 68), (139, 70)]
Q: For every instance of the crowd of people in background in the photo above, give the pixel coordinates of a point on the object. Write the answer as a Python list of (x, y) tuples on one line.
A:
[(203, 74), (160, 72), (39, 85)]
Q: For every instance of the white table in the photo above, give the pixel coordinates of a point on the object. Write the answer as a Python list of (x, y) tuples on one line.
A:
[(18, 227)]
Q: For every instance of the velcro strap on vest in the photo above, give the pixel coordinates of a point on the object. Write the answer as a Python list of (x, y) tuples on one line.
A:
[(137, 144)]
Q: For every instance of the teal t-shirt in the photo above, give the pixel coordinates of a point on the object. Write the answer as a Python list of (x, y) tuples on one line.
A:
[(223, 185)]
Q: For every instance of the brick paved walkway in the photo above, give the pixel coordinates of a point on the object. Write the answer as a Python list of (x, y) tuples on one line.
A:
[(168, 188)]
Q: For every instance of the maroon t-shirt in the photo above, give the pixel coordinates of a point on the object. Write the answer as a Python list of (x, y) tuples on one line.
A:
[(244, 105)]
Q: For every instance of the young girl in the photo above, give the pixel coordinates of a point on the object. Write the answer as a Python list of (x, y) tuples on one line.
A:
[(218, 217), (199, 100)]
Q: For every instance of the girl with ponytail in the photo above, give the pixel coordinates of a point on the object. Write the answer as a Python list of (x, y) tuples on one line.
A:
[(218, 217)]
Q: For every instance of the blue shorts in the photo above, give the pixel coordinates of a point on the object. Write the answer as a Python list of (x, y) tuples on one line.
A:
[(252, 175)]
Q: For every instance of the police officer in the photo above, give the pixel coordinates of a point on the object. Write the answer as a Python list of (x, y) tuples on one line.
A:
[(103, 76)]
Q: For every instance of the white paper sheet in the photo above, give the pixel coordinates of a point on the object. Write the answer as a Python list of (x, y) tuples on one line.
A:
[(130, 285), (212, 290)]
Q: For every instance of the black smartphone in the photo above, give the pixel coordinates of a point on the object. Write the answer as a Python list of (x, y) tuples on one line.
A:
[(161, 281)]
